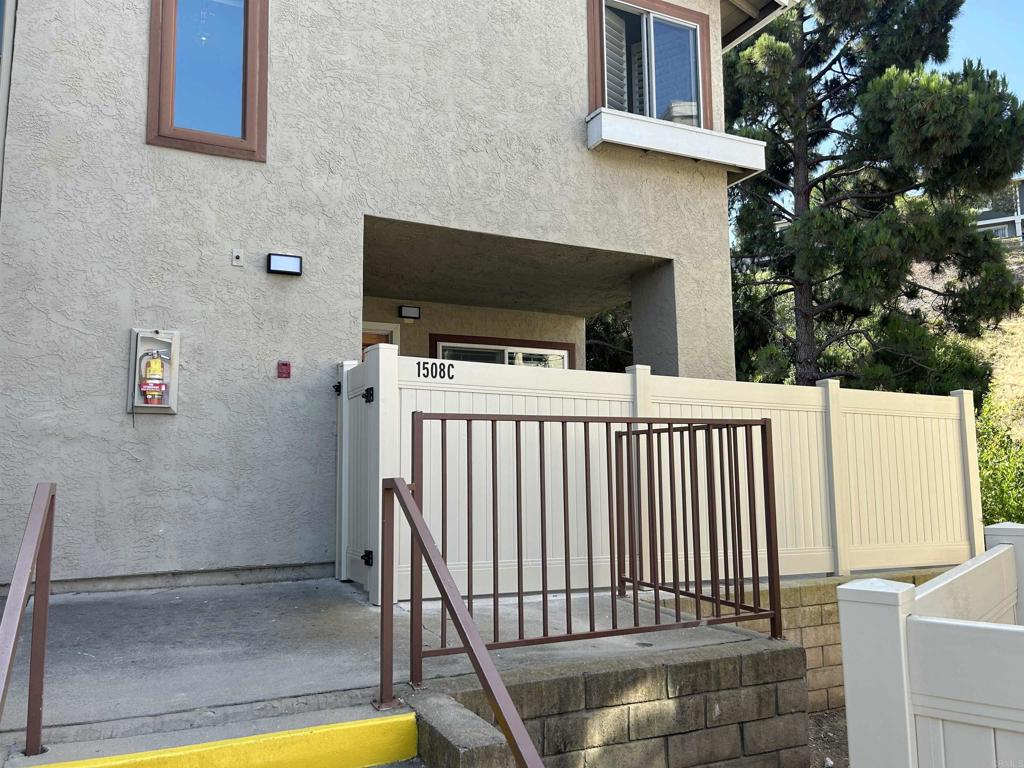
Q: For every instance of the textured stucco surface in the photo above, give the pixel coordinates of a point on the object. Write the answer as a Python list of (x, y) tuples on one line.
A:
[(457, 113), (414, 337)]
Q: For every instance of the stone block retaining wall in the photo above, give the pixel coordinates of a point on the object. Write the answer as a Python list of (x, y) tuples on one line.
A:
[(810, 618), (729, 705)]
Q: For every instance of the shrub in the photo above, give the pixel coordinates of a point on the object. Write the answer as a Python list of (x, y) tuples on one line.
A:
[(1001, 463)]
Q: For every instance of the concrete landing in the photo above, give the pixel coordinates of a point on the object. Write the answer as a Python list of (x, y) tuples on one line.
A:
[(130, 664)]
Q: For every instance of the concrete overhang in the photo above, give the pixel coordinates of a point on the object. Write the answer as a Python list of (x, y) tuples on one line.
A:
[(743, 18), (425, 262)]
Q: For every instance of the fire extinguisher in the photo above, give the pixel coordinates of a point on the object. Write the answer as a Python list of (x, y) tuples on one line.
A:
[(152, 377)]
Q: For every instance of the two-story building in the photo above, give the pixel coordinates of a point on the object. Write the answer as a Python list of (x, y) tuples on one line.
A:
[(466, 180)]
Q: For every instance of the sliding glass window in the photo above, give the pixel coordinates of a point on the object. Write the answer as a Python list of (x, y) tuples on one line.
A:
[(653, 64)]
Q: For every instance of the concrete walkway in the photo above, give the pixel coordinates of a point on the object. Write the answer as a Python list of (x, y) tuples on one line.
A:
[(130, 663)]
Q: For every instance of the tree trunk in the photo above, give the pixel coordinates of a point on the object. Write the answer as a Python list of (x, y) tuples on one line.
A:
[(803, 295), (806, 346)]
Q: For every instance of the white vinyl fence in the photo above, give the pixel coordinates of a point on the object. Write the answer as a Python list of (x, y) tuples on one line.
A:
[(864, 480), (935, 674)]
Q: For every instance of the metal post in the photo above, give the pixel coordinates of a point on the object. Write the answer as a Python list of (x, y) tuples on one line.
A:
[(40, 616), (416, 562), (386, 696), (771, 529)]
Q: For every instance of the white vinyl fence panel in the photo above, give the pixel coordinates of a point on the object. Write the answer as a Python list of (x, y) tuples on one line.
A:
[(864, 480), (933, 674)]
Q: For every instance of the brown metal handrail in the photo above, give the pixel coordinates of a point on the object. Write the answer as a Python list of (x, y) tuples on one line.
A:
[(677, 491), (35, 555), (504, 710)]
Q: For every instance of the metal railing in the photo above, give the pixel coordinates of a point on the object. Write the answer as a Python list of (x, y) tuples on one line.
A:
[(504, 710), (682, 508), (34, 557), (652, 523)]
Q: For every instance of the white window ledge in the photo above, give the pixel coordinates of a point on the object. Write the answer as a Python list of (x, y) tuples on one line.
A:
[(742, 157)]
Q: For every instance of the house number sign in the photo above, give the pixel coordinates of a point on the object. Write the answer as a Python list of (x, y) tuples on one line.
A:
[(435, 370)]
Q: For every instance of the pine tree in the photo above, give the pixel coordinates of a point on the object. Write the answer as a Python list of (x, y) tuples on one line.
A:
[(856, 254)]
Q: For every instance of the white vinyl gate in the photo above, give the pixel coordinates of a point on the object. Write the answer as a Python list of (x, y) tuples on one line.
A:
[(935, 674)]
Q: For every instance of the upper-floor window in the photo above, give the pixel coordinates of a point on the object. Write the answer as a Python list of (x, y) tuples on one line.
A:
[(655, 61), (208, 76)]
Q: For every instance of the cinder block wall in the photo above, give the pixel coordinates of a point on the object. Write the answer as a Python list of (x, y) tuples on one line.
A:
[(743, 700), (810, 617)]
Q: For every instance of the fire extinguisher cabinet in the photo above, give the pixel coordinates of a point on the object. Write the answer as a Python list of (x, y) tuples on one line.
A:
[(153, 371)]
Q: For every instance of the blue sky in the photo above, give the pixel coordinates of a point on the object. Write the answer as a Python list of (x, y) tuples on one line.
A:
[(993, 31)]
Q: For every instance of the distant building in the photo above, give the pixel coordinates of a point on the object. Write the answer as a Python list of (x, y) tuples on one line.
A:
[(1002, 216)]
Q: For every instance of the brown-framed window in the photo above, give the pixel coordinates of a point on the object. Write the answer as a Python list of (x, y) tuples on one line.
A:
[(489, 349), (208, 77), (650, 58)]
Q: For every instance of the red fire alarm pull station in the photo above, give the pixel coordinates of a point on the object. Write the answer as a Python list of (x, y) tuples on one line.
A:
[(284, 369)]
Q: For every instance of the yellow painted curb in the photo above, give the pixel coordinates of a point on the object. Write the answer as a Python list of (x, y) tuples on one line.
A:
[(357, 744)]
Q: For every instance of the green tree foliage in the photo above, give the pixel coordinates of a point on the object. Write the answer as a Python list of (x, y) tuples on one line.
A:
[(856, 253), (610, 340), (1001, 464)]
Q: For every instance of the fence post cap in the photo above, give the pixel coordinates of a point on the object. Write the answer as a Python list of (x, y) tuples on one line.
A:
[(638, 369), (876, 592), (1005, 529), (830, 383)]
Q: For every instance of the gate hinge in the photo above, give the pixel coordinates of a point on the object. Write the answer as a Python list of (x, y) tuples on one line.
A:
[(367, 558), (337, 389), (368, 394)]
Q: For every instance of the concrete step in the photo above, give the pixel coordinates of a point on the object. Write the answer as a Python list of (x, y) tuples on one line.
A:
[(361, 734)]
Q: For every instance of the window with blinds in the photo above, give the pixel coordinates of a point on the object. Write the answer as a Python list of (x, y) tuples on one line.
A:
[(651, 65)]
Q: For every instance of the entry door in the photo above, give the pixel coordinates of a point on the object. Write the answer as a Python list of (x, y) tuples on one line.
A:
[(375, 337), (379, 333)]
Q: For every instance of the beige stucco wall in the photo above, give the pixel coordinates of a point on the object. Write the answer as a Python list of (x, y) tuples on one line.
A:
[(414, 336), (455, 112)]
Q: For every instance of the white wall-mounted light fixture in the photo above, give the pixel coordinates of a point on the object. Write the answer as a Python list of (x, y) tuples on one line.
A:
[(407, 312), (284, 264)]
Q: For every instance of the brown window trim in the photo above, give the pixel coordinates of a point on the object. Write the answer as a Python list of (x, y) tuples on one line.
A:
[(595, 49), (494, 341), (160, 129)]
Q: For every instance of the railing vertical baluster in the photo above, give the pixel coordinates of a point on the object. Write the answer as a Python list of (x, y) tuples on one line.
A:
[(416, 561), (652, 523), (674, 525), (638, 507), (716, 585), (771, 530), (543, 529), (659, 475), (633, 512), (612, 544), (739, 593), (40, 617), (723, 499), (444, 521), (685, 504), (469, 515), (519, 527), (620, 511), (386, 693), (590, 522), (565, 528), (495, 558), (698, 582), (755, 565)]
